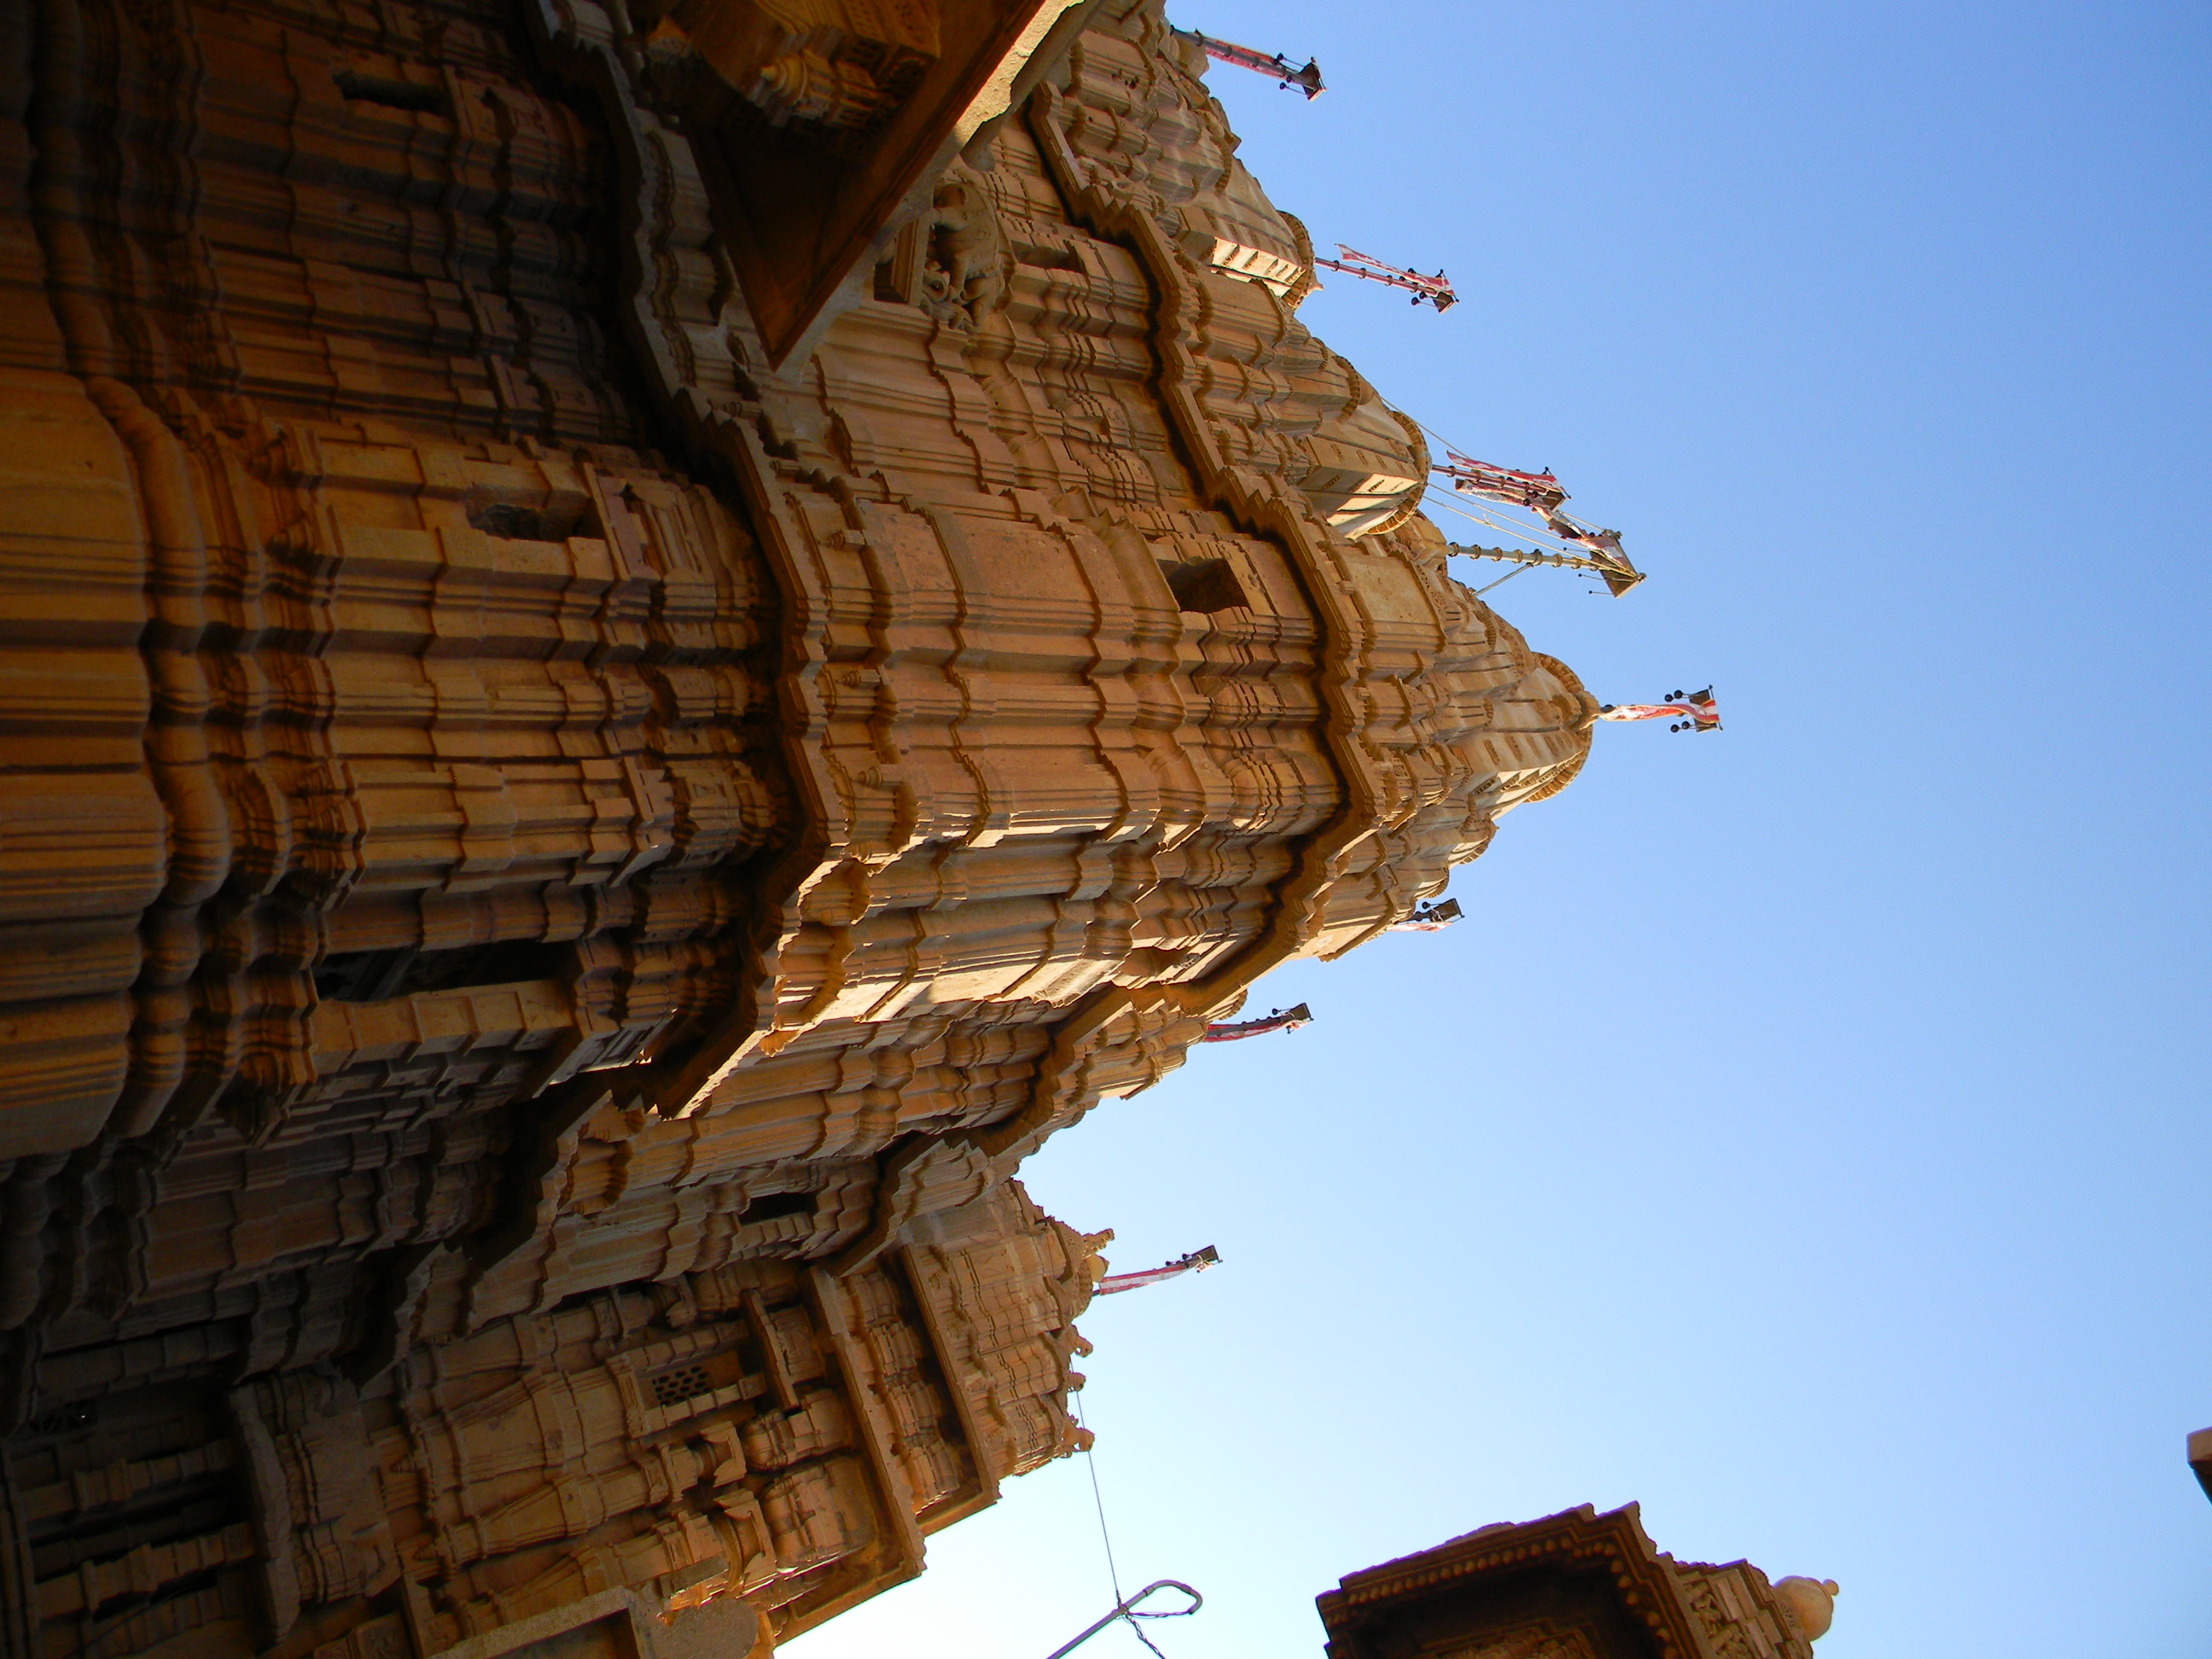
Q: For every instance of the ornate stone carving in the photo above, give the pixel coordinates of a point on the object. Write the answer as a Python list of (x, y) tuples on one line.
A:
[(1541, 1643), (1578, 1585), (843, 63), (966, 265), (762, 1431), (820, 125), (556, 845)]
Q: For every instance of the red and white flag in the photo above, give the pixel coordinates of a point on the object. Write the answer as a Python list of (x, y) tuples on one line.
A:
[(1196, 1262), (1696, 713), (1428, 918), (1539, 492), (1283, 1019)]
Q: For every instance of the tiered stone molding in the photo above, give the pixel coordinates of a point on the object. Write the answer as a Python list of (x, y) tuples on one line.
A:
[(554, 860)]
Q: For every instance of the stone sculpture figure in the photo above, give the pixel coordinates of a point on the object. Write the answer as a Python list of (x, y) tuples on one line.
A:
[(579, 785)]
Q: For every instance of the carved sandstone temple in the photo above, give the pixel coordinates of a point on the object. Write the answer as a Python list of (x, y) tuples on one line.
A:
[(1577, 1585), (638, 645)]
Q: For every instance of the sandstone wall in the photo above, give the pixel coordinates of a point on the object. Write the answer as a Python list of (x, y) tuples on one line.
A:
[(526, 831)]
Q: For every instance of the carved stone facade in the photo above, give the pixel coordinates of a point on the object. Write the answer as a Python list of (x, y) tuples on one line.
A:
[(761, 1430), (1579, 1585), (559, 844)]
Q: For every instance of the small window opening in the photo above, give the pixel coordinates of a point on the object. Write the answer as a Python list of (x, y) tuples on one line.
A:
[(512, 522), (391, 93), (681, 1382), (377, 976), (1204, 585), (772, 1206)]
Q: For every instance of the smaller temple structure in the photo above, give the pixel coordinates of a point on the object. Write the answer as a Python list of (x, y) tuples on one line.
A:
[(1577, 1585)]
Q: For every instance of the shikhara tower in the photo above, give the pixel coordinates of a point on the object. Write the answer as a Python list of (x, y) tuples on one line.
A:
[(640, 645)]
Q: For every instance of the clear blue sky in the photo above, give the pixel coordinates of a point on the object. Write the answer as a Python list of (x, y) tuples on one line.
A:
[(1806, 1133)]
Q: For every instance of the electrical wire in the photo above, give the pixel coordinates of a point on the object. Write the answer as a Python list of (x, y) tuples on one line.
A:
[(1454, 501), (1098, 1498), (1138, 1630), (1474, 506), (1106, 1537), (1450, 502), (1455, 448)]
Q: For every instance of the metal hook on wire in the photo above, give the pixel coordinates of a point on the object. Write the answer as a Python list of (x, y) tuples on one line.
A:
[(1128, 1610)]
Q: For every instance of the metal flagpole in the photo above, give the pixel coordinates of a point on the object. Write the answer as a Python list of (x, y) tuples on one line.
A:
[(1306, 80), (1127, 1610), (1698, 711), (1437, 289), (1283, 1019), (1599, 550), (1196, 1262)]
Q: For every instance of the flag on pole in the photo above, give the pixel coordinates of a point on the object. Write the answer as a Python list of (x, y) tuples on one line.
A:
[(1428, 918), (1196, 1262), (1695, 713), (1307, 80), (1538, 491), (1282, 1020)]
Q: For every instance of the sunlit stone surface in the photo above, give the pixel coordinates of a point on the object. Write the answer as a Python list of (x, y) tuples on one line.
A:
[(561, 841)]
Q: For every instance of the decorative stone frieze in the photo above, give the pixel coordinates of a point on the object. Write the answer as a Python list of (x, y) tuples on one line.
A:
[(1578, 1585)]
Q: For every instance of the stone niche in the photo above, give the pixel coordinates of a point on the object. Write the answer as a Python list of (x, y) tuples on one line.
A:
[(1578, 1585)]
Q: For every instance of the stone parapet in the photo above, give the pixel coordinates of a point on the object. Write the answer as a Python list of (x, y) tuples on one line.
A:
[(1577, 1585)]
